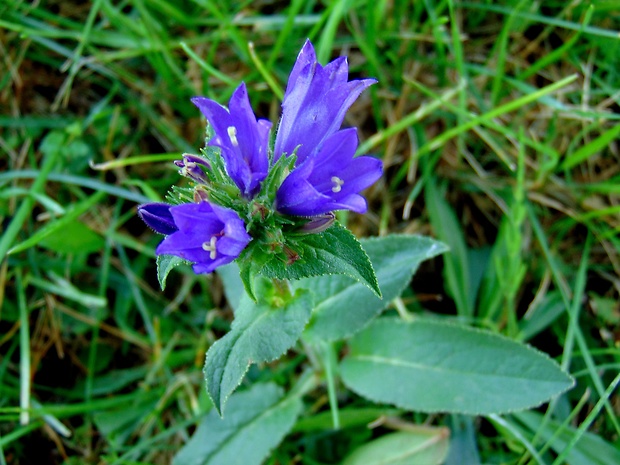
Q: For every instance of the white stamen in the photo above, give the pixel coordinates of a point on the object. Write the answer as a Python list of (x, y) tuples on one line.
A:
[(337, 184), (210, 247), (232, 135)]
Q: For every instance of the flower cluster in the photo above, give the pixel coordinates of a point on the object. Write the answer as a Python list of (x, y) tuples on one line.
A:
[(247, 191)]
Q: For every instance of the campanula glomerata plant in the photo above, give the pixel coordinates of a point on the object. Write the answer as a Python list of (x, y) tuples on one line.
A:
[(269, 207)]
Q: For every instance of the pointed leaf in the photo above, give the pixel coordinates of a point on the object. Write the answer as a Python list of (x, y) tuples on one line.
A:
[(440, 367), (334, 251), (247, 274), (344, 306), (261, 332), (256, 421), (165, 264)]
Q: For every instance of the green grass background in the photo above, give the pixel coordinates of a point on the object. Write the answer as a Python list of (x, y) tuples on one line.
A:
[(498, 126)]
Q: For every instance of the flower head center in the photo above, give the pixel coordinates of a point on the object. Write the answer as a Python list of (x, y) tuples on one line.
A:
[(210, 247), (232, 135), (338, 183)]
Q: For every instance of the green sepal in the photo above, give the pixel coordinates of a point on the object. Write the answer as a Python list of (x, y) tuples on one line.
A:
[(180, 195), (334, 251), (277, 173)]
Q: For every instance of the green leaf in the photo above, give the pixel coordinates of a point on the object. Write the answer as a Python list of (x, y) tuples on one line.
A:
[(589, 450), (350, 417), (547, 310), (117, 425), (456, 263), (250, 264), (440, 367), (343, 306), (247, 274), (463, 441), (233, 286), (62, 287), (60, 224), (114, 380), (74, 237), (257, 421), (404, 448), (589, 149), (261, 332), (165, 264), (334, 251)]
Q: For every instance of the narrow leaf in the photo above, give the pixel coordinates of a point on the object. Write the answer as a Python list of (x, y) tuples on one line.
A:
[(350, 417), (261, 332), (448, 228), (58, 225), (257, 420), (404, 448), (67, 289), (589, 149), (74, 237), (440, 367), (344, 306), (591, 449)]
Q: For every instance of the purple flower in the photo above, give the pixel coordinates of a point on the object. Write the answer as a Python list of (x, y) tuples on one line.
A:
[(157, 216), (315, 103), (191, 167), (326, 176), (207, 234), (330, 179), (242, 139)]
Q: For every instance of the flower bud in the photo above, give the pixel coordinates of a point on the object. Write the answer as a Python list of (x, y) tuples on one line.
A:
[(319, 223), (191, 167), (157, 216)]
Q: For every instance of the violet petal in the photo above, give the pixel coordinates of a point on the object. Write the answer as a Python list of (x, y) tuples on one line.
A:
[(242, 138), (157, 216), (208, 235)]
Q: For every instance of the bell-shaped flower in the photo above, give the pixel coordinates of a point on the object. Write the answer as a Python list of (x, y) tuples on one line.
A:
[(330, 179), (315, 103), (157, 216), (207, 235), (242, 139)]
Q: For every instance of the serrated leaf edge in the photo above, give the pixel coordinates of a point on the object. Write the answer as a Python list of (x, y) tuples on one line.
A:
[(162, 282), (219, 406), (443, 248), (464, 412)]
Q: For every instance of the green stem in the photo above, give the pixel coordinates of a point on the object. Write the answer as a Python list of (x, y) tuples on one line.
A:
[(24, 352), (329, 363)]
